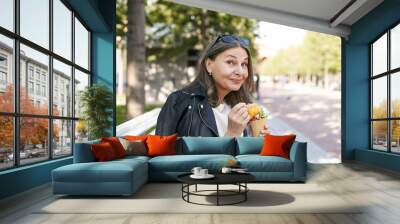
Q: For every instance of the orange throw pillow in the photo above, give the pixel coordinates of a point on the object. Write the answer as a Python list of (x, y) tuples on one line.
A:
[(277, 145), (116, 145), (161, 145), (135, 138), (103, 152)]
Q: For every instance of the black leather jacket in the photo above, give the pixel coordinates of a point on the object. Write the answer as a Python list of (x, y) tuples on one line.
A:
[(188, 113)]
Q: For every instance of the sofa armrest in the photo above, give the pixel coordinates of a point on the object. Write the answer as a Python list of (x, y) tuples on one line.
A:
[(83, 152), (298, 155)]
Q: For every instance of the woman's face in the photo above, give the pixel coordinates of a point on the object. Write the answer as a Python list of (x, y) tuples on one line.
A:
[(229, 69)]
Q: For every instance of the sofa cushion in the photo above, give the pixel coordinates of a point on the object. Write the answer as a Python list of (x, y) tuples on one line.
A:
[(208, 145), (131, 158), (185, 163), (257, 163), (249, 145), (112, 171), (83, 152)]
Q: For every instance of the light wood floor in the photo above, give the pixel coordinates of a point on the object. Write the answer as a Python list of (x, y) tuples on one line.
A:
[(377, 188)]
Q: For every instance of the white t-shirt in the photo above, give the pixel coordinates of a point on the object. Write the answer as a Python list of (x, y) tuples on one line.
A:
[(221, 113)]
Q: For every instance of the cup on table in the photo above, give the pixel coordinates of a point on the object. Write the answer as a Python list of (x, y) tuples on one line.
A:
[(203, 172), (196, 171)]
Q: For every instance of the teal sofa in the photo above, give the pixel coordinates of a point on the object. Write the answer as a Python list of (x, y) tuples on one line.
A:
[(125, 176)]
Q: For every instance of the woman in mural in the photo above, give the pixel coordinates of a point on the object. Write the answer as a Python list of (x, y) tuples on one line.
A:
[(216, 102)]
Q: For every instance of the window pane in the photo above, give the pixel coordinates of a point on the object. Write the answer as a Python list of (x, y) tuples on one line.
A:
[(379, 135), (35, 21), (6, 142), (62, 89), (7, 14), (81, 45), (62, 29), (6, 74), (395, 47), (379, 55), (81, 81), (395, 94), (62, 138), (379, 98), (33, 139), (34, 72), (81, 131), (395, 136)]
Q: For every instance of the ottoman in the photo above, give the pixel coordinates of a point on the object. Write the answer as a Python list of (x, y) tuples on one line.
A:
[(119, 177)]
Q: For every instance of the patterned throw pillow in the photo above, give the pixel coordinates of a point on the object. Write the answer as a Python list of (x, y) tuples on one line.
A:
[(134, 147)]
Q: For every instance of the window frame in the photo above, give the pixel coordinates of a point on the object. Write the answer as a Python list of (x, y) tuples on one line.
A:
[(16, 114), (388, 74)]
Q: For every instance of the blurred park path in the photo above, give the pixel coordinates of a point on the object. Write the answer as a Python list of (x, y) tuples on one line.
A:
[(312, 113)]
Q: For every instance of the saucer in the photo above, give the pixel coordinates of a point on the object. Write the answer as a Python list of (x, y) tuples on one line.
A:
[(208, 176), (240, 171)]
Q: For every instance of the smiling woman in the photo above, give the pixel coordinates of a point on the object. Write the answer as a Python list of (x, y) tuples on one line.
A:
[(215, 103)]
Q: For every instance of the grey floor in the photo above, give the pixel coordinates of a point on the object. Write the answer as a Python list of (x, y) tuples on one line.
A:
[(377, 188)]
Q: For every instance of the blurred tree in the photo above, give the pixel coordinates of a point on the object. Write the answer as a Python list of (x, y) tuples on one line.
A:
[(171, 30), (380, 111), (131, 36), (81, 129), (6, 132), (395, 123), (380, 127), (318, 55), (122, 23), (33, 130), (175, 28)]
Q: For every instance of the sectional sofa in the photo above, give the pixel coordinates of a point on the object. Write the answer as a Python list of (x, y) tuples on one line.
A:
[(125, 176)]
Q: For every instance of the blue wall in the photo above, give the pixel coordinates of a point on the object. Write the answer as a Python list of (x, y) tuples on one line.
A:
[(99, 16), (24, 178), (355, 98), (103, 65)]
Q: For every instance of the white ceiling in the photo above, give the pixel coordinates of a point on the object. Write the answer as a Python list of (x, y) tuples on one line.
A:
[(314, 15)]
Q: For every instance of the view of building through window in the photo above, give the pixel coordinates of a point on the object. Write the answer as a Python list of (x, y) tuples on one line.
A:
[(385, 80), (38, 87)]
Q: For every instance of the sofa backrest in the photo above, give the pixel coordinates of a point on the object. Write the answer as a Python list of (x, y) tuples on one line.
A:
[(249, 145), (207, 145), (83, 152), (191, 146)]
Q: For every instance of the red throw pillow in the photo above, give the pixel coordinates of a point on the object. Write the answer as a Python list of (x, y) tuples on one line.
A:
[(116, 145), (103, 151), (161, 145), (277, 145)]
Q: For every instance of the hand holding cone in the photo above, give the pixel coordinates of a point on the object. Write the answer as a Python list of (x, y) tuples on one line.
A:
[(258, 118)]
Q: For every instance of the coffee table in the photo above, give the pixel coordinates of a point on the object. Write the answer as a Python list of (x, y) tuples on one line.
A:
[(238, 179)]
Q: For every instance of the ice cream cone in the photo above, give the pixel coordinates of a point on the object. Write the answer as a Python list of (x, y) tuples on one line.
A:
[(257, 125)]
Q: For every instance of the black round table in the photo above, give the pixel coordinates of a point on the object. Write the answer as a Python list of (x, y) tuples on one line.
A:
[(238, 179)]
